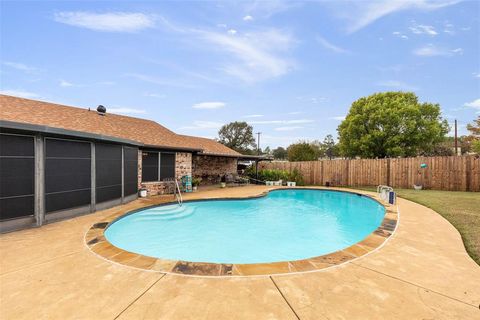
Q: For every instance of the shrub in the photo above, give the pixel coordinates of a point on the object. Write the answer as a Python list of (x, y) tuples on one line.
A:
[(196, 182), (276, 174), (273, 175), (296, 176)]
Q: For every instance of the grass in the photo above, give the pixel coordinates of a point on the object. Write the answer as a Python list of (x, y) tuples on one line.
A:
[(462, 209)]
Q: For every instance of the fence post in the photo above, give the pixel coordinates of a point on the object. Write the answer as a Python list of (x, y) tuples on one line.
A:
[(347, 169), (468, 173), (388, 172)]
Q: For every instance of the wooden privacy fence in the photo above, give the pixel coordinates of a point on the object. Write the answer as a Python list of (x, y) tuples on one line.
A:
[(456, 173)]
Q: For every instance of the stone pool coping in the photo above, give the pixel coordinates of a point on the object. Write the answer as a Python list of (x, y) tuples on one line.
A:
[(98, 244)]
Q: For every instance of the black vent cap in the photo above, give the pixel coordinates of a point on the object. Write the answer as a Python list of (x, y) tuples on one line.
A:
[(101, 109)]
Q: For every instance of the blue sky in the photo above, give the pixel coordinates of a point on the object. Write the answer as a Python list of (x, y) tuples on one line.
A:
[(291, 69)]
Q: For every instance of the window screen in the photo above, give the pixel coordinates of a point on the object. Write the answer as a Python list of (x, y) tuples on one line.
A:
[(130, 170), (108, 172), (17, 176), (149, 166), (167, 166), (67, 174)]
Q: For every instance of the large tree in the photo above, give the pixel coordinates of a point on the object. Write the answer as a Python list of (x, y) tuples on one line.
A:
[(329, 147), (474, 129), (280, 153), (391, 124), (302, 151), (237, 136)]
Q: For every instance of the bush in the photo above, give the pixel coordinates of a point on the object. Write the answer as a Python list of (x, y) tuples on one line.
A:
[(196, 182), (276, 174), (273, 175), (296, 176)]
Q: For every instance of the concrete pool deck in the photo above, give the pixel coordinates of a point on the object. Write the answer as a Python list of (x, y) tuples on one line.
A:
[(422, 271)]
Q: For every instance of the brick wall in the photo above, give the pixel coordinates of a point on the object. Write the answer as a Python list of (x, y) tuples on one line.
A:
[(210, 169), (183, 166)]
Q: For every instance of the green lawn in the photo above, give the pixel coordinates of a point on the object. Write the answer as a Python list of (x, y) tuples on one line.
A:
[(462, 209)]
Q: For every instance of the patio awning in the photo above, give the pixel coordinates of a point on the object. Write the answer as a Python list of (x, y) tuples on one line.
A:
[(259, 158)]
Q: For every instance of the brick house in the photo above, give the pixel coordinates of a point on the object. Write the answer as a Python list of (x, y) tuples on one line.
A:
[(59, 161)]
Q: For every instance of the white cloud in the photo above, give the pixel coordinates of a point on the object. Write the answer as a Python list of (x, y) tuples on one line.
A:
[(476, 74), (449, 28), (198, 124), (248, 18), (209, 105), (299, 121), (338, 118), (109, 22), (253, 116), (361, 13), (397, 85), (475, 104), (313, 100), (257, 54), (423, 29), (20, 93), (160, 81), (400, 35), (288, 128), (431, 50), (126, 111), (232, 31), (330, 46), (295, 112), (64, 83), (20, 66), (154, 95), (221, 25), (266, 9)]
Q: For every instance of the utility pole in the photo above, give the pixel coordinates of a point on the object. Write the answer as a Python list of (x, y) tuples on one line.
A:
[(456, 139), (258, 153), (258, 143)]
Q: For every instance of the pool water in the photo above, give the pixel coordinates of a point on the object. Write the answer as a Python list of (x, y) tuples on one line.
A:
[(284, 225)]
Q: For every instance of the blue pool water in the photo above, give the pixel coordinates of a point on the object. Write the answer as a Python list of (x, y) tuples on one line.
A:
[(284, 225)]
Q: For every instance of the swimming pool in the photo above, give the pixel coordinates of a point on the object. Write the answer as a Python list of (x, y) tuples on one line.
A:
[(284, 225)]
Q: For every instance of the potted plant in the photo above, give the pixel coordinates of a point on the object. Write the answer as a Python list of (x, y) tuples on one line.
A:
[(223, 181), (418, 185), (196, 183), (143, 193), (294, 178)]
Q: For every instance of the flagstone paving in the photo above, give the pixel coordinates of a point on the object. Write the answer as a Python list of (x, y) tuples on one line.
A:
[(421, 272)]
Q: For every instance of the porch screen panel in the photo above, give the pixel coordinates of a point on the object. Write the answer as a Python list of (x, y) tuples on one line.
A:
[(130, 170), (167, 166), (67, 174), (149, 166), (17, 176), (108, 172)]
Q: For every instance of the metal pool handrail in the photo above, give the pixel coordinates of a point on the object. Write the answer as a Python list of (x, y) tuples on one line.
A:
[(179, 195)]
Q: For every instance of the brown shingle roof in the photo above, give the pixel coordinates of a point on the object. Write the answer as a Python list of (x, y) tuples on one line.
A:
[(143, 131)]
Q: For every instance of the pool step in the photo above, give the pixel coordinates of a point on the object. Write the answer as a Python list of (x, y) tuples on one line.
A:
[(166, 212)]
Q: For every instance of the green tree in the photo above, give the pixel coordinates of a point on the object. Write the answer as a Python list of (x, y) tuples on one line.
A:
[(391, 124), (474, 129), (280, 153), (302, 151), (329, 147), (267, 151), (237, 136)]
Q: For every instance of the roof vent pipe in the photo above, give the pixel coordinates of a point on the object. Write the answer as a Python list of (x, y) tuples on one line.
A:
[(101, 110)]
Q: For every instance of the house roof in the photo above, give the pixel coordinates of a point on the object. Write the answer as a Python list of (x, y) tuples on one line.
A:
[(142, 131)]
